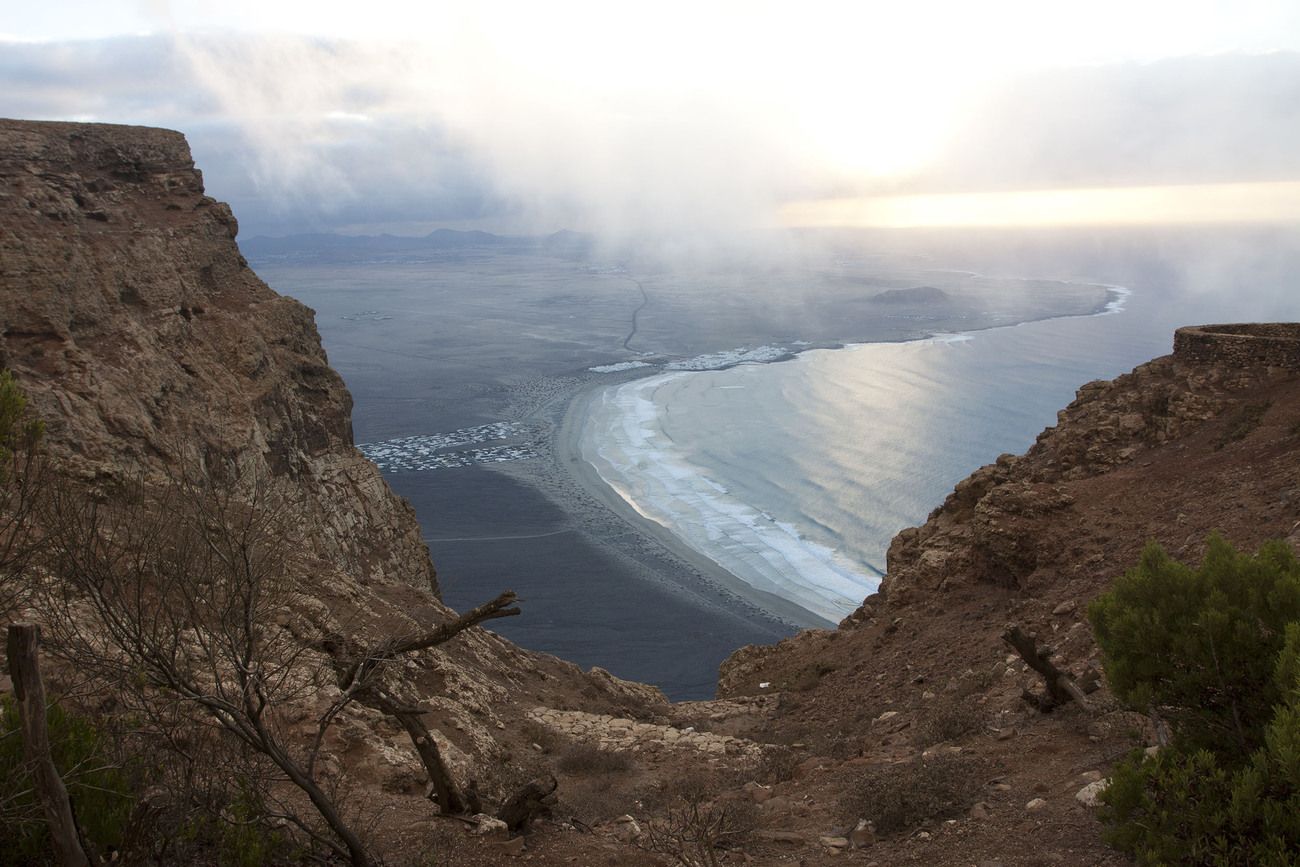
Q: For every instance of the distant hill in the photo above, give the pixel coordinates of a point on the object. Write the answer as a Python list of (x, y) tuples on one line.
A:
[(330, 247), (325, 247), (914, 295), (568, 244)]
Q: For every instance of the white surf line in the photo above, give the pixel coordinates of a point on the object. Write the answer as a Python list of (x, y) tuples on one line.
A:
[(492, 538)]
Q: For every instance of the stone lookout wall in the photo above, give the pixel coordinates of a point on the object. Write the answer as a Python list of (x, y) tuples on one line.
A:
[(1273, 344)]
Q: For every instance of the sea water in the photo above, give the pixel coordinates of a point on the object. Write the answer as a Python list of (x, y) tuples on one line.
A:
[(795, 476)]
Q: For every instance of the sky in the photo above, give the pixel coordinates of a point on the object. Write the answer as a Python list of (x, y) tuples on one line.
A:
[(698, 119)]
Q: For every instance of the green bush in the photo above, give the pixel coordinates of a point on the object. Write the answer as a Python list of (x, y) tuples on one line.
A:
[(239, 837), (1217, 651), (1200, 645), (100, 791), (19, 431)]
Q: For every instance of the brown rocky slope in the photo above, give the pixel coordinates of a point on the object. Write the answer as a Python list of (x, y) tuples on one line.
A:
[(1204, 440)]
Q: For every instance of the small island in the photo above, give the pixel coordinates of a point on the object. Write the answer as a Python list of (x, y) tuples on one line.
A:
[(913, 295)]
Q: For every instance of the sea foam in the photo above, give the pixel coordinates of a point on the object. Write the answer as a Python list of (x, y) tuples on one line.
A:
[(625, 442), (846, 447)]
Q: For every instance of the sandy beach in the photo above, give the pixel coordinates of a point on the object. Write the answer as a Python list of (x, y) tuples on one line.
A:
[(567, 453)]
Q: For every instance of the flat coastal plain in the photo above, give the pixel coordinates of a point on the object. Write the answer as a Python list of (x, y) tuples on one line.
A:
[(477, 359)]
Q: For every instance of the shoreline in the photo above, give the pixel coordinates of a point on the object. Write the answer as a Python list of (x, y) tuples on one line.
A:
[(567, 455), (566, 448)]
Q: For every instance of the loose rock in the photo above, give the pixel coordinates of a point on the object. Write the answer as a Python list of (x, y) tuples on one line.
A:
[(489, 826), (627, 829), (1090, 795), (863, 835)]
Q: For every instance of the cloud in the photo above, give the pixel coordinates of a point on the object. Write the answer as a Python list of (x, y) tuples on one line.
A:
[(129, 79), (298, 134), (683, 141), (1187, 120)]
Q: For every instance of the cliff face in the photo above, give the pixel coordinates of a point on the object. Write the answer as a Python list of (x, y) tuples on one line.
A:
[(145, 343), (141, 335)]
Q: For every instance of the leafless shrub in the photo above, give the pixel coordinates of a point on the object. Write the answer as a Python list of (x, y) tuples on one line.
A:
[(902, 796), (542, 735), (696, 825), (167, 596), (22, 474), (593, 801), (948, 721), (777, 765), (588, 759), (170, 597)]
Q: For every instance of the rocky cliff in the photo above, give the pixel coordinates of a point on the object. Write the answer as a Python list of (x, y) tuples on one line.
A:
[(998, 525), (142, 336), (145, 343)]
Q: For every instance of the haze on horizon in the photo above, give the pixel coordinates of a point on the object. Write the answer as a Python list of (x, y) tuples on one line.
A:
[(691, 120)]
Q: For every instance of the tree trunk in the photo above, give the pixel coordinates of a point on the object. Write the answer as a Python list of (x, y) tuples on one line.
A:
[(329, 812), (24, 669), (444, 787), (1061, 688), (526, 803)]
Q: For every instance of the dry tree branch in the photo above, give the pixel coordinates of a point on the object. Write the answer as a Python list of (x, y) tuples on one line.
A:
[(169, 594)]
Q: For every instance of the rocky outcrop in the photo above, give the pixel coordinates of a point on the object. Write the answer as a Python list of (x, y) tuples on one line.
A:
[(992, 526), (143, 338), (625, 735)]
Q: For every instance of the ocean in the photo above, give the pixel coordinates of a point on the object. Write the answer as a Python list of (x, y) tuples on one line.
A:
[(792, 475), (795, 476)]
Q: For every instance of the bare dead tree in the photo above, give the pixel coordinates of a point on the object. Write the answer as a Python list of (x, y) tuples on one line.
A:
[(533, 798), (22, 472), (24, 667), (168, 594), (360, 679), (692, 832)]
